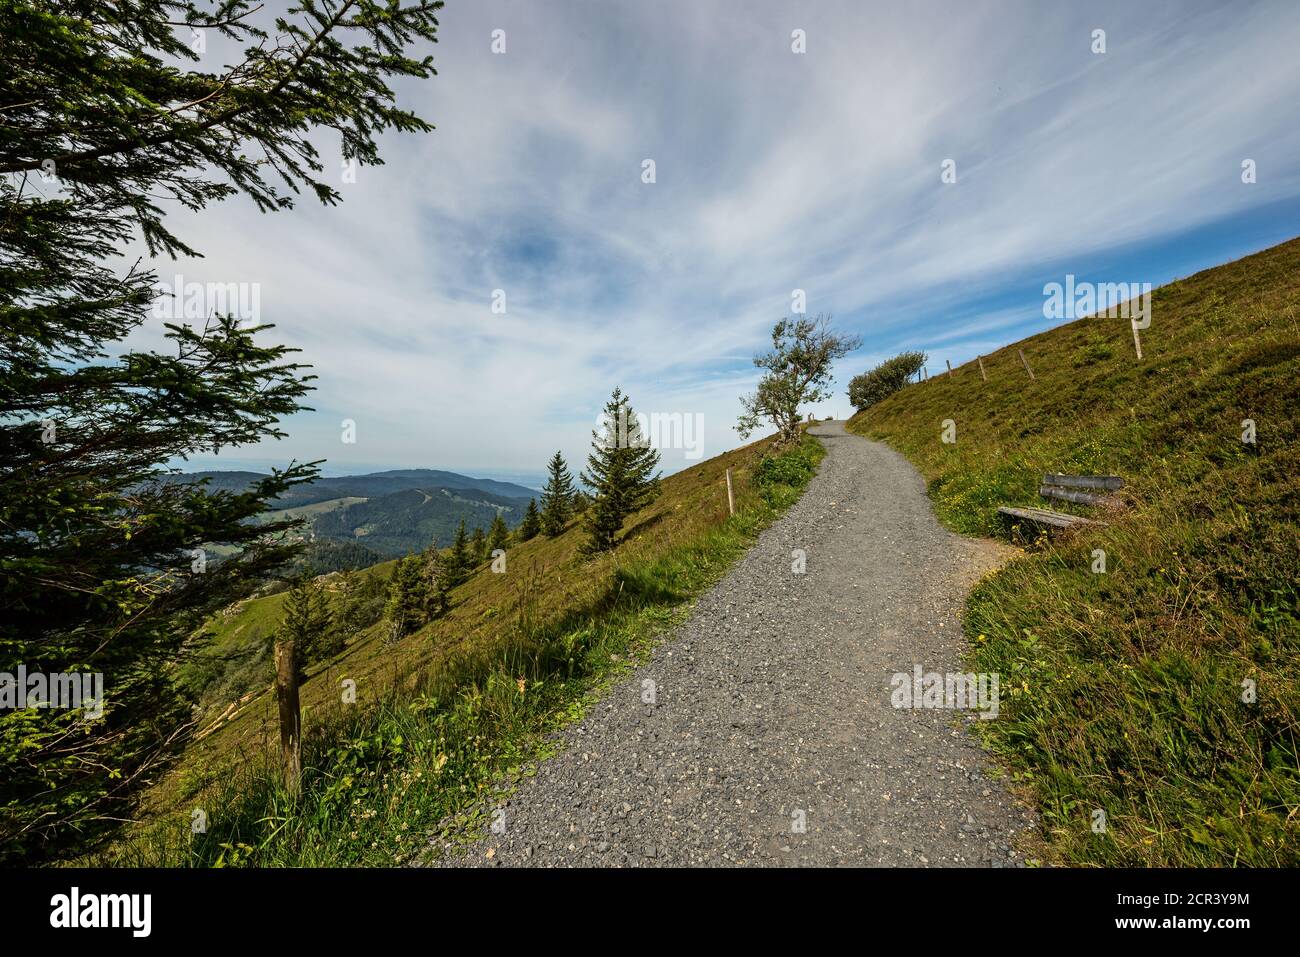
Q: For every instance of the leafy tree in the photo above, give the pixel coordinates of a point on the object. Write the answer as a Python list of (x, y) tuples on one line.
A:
[(532, 523), (498, 534), (407, 598), (798, 371), (459, 561), (868, 388), (305, 621), (557, 496), (108, 117), (618, 473)]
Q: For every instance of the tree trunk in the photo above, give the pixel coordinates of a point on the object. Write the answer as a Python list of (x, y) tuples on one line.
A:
[(286, 692)]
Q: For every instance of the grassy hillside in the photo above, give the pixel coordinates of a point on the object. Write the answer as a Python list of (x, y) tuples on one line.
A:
[(443, 714), (1126, 688)]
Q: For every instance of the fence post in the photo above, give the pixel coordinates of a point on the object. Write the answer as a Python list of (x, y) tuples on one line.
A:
[(731, 501), (983, 375), (1026, 363), (949, 365), (286, 693)]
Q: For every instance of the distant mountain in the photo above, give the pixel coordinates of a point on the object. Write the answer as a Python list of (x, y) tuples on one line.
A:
[(388, 513), (361, 486)]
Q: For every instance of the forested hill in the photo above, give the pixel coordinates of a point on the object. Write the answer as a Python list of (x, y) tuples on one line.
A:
[(389, 513), (370, 485)]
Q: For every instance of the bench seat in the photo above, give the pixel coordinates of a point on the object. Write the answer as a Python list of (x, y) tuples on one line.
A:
[(1041, 516)]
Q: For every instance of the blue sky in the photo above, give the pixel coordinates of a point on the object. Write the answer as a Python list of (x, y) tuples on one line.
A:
[(775, 171)]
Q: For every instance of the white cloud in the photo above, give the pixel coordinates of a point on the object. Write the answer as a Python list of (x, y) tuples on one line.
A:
[(775, 171)]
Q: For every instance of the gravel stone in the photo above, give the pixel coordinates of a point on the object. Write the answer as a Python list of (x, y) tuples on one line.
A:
[(773, 741)]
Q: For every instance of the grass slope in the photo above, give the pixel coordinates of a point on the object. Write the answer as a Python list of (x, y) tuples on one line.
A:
[(444, 715), (1127, 687)]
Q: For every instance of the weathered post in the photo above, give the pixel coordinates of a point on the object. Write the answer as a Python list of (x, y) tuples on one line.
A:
[(286, 693), (1026, 363), (983, 375), (731, 501), (949, 365)]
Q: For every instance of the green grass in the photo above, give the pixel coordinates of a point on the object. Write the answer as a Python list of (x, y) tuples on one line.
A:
[(448, 717), (1126, 687)]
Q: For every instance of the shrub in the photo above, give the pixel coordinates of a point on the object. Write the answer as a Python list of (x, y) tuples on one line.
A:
[(884, 380)]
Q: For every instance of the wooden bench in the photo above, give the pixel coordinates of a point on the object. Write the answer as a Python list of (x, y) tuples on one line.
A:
[(1080, 489)]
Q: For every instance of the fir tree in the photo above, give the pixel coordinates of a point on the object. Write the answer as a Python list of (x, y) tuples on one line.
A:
[(305, 622), (435, 582), (498, 535), (618, 473), (557, 496), (458, 562), (347, 613), (532, 523), (477, 547), (405, 611), (110, 120)]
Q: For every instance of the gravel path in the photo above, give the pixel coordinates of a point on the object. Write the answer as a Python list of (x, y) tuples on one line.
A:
[(772, 707)]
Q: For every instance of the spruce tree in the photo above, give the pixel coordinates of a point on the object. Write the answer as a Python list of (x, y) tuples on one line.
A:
[(458, 560), (618, 473), (347, 618), (407, 596), (477, 547), (532, 523), (433, 570), (557, 496), (305, 620), (109, 120), (498, 535)]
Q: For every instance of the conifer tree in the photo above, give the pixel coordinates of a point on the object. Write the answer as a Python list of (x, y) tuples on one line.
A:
[(347, 618), (557, 496), (434, 569), (477, 547), (305, 621), (110, 119), (498, 535), (458, 561), (406, 608), (618, 473), (532, 523)]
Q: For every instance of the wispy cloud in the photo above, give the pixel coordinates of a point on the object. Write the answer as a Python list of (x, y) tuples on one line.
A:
[(775, 171)]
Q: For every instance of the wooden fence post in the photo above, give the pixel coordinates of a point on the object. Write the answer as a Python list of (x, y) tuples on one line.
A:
[(286, 693), (983, 375), (731, 501), (1026, 363), (1137, 343), (949, 365)]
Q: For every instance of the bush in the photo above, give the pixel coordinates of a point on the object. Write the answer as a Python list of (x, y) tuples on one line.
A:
[(884, 380), (780, 477), (792, 468)]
